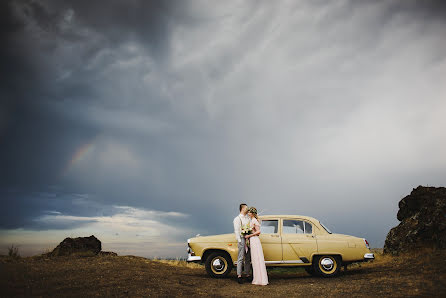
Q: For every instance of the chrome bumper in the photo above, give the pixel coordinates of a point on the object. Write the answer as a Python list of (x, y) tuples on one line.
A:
[(193, 258), (369, 256)]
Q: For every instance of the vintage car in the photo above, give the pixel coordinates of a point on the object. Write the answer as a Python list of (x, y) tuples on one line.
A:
[(287, 240)]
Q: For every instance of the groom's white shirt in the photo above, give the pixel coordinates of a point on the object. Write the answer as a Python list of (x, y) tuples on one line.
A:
[(240, 220)]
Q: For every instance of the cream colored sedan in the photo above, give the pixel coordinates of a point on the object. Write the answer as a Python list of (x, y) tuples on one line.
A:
[(287, 240)]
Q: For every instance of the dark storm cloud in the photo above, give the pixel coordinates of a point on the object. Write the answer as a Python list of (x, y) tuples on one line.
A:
[(34, 31), (313, 107), (46, 117), (32, 34)]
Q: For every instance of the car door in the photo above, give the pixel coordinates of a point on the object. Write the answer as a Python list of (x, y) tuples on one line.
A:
[(298, 241), (271, 240)]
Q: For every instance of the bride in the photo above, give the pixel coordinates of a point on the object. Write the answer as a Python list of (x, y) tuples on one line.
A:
[(260, 277)]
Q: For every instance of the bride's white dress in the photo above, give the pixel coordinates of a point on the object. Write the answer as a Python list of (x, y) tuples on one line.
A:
[(260, 277)]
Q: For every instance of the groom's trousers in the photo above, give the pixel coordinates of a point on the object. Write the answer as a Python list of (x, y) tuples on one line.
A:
[(243, 259)]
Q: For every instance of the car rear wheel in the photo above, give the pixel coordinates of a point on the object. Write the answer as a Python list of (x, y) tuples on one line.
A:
[(218, 265), (327, 266)]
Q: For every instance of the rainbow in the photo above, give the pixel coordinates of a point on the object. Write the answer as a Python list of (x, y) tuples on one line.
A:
[(78, 155)]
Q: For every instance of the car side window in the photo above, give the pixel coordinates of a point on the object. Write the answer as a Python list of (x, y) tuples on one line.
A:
[(292, 226), (269, 226), (308, 228)]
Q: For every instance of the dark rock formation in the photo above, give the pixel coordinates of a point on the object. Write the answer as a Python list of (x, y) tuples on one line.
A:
[(423, 221), (69, 246)]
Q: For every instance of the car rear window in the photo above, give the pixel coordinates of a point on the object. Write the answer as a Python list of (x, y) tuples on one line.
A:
[(293, 226)]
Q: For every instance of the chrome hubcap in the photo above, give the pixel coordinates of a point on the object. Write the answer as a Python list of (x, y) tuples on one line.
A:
[(218, 265), (327, 264)]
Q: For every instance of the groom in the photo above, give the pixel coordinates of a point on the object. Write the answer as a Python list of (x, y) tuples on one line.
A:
[(244, 258)]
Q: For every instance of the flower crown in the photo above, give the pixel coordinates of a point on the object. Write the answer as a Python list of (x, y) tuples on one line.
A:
[(252, 210)]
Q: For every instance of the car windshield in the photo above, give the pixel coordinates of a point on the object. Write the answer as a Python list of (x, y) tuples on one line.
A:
[(329, 232)]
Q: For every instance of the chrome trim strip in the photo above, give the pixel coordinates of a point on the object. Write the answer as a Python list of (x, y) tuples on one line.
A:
[(369, 256), (273, 262), (193, 258), (292, 262)]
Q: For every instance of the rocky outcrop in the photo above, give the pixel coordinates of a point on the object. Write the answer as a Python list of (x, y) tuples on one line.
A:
[(423, 221), (69, 246)]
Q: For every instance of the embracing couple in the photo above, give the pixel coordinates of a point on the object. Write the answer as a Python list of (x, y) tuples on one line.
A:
[(250, 253)]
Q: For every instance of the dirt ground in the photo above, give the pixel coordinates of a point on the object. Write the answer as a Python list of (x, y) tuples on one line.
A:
[(423, 274)]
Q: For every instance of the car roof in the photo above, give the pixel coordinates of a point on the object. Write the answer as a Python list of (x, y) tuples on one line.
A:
[(288, 216)]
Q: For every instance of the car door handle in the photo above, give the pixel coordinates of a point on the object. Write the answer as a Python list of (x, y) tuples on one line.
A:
[(273, 235)]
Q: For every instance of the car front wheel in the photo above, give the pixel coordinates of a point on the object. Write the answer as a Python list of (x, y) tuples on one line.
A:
[(218, 265), (327, 266)]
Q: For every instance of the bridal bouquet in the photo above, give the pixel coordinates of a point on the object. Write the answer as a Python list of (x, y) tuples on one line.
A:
[(246, 230)]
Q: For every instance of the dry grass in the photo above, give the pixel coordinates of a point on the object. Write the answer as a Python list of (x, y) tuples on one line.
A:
[(421, 274)]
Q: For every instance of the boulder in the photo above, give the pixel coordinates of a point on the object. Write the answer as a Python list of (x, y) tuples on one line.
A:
[(422, 216), (69, 246)]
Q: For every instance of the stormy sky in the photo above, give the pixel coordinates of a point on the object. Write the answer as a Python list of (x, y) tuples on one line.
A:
[(147, 122)]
